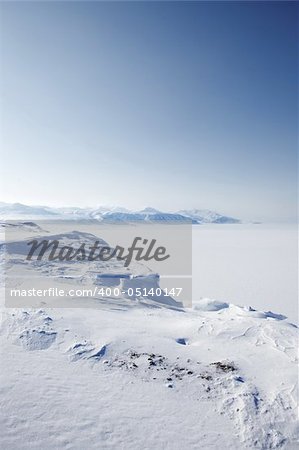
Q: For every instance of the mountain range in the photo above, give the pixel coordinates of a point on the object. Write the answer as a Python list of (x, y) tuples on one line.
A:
[(115, 214)]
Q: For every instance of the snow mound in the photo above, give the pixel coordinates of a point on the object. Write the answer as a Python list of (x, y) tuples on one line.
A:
[(37, 339), (206, 304)]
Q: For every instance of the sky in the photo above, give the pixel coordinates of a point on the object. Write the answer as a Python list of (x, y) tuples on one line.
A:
[(173, 105)]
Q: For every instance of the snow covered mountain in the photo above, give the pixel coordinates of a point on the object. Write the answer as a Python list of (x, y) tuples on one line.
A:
[(146, 215), (116, 214), (18, 209), (207, 216)]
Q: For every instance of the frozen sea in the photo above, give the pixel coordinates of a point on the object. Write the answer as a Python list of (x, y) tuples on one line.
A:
[(254, 264)]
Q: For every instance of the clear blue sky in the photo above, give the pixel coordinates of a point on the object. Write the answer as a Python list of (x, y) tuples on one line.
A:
[(172, 105)]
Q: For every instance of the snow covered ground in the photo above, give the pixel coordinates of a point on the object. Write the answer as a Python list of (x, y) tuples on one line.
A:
[(218, 377), (144, 375)]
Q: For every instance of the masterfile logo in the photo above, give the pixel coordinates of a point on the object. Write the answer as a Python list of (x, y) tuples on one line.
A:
[(83, 264), (144, 250)]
